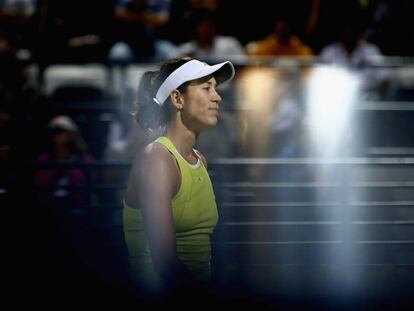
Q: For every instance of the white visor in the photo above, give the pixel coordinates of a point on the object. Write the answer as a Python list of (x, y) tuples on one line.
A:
[(193, 70)]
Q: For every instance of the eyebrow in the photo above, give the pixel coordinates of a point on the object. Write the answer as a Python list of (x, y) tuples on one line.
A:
[(211, 83)]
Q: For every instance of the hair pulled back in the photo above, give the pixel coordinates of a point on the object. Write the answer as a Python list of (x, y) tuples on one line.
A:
[(148, 113)]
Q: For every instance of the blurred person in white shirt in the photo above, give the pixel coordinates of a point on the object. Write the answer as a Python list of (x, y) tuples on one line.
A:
[(208, 43)]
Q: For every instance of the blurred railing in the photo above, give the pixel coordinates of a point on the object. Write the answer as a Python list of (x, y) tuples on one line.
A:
[(297, 225), (303, 226)]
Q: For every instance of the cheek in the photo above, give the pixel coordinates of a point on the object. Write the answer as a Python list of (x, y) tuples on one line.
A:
[(196, 105), (202, 110)]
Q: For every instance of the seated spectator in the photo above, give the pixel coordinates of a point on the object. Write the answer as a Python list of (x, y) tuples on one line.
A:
[(281, 42), (66, 146), (158, 13), (73, 31), (207, 42), (136, 28), (131, 30), (351, 48), (178, 29), (287, 119), (353, 51)]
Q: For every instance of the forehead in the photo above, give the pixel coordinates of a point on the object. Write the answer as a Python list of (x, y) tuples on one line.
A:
[(206, 79)]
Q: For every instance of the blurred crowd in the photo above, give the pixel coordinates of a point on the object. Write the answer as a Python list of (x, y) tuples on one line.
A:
[(39, 35), (48, 31)]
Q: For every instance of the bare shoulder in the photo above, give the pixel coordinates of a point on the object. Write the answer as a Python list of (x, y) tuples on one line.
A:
[(154, 155), (153, 170), (202, 157), (154, 176)]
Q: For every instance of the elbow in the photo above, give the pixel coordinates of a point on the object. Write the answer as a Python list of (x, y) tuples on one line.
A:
[(172, 271), (164, 265)]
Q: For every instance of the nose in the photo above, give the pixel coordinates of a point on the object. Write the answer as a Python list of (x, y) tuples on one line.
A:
[(216, 96)]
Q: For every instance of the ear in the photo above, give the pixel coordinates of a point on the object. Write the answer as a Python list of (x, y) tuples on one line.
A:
[(176, 99)]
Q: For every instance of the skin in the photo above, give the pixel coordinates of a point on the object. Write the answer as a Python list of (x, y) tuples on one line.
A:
[(155, 177)]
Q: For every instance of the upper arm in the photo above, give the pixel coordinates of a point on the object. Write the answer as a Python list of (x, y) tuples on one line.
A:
[(153, 182)]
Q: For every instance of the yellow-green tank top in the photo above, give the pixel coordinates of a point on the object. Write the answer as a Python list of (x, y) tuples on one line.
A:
[(195, 217)]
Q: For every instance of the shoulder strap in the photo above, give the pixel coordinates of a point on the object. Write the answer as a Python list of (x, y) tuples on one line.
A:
[(167, 143)]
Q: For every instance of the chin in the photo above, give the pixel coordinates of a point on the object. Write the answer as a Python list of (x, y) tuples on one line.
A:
[(209, 124), (213, 122)]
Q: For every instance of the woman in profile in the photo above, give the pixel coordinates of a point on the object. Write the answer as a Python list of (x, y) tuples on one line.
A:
[(169, 209)]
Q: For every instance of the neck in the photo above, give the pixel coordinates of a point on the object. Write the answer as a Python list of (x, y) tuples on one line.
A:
[(182, 137)]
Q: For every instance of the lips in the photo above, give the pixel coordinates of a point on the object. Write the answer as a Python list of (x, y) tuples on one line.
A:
[(214, 111)]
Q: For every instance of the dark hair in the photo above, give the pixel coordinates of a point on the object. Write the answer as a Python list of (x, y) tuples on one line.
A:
[(148, 113)]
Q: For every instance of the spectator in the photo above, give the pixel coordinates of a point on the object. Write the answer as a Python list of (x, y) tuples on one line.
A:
[(353, 51), (322, 23), (66, 146), (136, 39), (286, 121), (207, 43), (282, 41), (178, 30), (73, 31)]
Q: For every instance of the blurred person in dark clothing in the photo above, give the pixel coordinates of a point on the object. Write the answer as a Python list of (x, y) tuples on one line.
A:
[(73, 31), (178, 29), (63, 186)]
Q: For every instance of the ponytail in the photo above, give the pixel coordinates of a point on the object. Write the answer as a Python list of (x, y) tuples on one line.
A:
[(148, 114)]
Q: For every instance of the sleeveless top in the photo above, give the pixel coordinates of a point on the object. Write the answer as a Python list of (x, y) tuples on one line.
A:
[(195, 217)]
